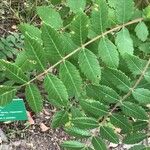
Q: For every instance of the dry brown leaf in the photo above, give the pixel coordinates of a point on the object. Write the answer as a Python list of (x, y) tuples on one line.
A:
[(30, 119), (43, 127)]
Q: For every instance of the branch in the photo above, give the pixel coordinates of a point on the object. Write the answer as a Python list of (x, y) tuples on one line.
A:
[(79, 48)]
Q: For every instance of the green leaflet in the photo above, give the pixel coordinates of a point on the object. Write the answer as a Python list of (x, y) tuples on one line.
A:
[(133, 110), (142, 95), (6, 94), (124, 42), (135, 64), (77, 132), (108, 94), (76, 112), (77, 5), (139, 125), (68, 44), (23, 62), (50, 16), (121, 122), (124, 10), (142, 31), (89, 65), (102, 93), (72, 145), (52, 44), (34, 98), (118, 78), (60, 118), (94, 108), (70, 76), (109, 134), (108, 53), (13, 72), (56, 90), (34, 32), (99, 22), (145, 47), (134, 138), (79, 28), (98, 143), (112, 3), (85, 122), (35, 52), (138, 147)]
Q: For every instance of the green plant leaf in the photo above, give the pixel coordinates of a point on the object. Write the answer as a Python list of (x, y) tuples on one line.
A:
[(108, 94), (85, 122), (34, 98), (121, 122), (77, 5), (142, 95), (77, 132), (56, 90), (134, 63), (124, 10), (138, 147), (90, 66), (134, 138), (124, 42), (142, 31), (23, 62), (108, 53), (79, 28), (99, 23), (135, 111), (71, 78), (6, 94), (72, 145), (94, 108), (34, 51), (139, 125), (117, 78), (109, 134), (98, 143), (52, 43), (145, 47), (50, 16), (102, 93), (60, 118), (13, 72), (34, 32)]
